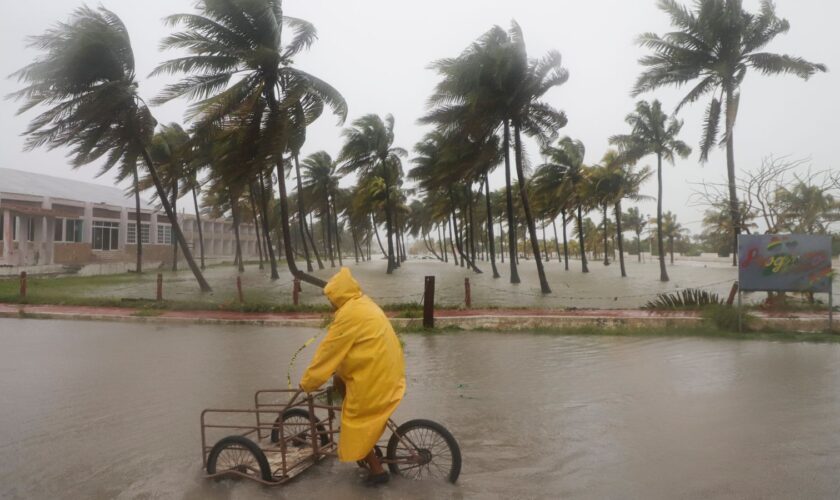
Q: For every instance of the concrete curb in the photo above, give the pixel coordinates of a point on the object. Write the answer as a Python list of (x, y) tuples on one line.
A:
[(507, 322)]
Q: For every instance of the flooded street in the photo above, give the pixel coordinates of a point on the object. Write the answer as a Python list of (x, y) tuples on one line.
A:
[(95, 410), (602, 287)]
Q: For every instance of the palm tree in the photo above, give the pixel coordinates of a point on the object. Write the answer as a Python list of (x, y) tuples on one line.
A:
[(239, 66), (672, 230), (653, 133), (86, 75), (369, 151), (714, 45), (617, 182), (321, 183), (493, 85), (633, 220), (170, 151), (563, 178)]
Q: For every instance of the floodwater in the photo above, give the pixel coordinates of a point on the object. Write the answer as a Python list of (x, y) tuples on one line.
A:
[(602, 287), (96, 410)]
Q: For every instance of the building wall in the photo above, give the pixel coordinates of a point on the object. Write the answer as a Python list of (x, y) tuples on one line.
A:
[(73, 253)]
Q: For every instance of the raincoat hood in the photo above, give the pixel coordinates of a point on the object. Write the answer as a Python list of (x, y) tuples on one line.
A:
[(342, 287)]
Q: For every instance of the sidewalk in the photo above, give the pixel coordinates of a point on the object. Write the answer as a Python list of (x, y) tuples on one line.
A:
[(504, 319)]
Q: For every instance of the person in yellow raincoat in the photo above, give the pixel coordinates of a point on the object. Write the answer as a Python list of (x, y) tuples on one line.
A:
[(363, 350)]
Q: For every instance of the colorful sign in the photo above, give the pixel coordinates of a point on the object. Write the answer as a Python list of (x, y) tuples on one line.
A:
[(784, 263)]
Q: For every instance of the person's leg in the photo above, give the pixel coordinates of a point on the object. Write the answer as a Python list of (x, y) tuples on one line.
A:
[(374, 464)]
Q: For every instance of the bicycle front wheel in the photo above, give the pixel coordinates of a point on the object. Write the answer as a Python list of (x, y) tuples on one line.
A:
[(422, 449)]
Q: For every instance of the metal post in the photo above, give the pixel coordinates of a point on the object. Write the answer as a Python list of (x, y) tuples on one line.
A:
[(429, 303), (467, 293), (830, 309), (739, 309), (239, 289), (296, 292), (159, 287), (23, 284)]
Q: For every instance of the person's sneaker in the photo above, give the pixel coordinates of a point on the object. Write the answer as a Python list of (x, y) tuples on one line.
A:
[(377, 479)]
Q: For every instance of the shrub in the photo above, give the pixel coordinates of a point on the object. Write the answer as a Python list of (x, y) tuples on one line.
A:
[(726, 318), (690, 298)]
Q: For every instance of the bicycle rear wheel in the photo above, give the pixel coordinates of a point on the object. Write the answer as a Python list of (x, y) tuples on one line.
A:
[(422, 449)]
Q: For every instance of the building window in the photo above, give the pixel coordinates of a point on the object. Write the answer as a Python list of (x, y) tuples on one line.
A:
[(164, 234), (68, 230), (131, 233), (106, 235)]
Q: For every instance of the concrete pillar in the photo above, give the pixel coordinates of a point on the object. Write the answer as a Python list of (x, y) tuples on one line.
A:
[(153, 229), (23, 239), (49, 240), (124, 228), (87, 224), (8, 244)]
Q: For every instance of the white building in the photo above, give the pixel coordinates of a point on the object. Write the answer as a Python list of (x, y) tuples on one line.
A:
[(46, 220)]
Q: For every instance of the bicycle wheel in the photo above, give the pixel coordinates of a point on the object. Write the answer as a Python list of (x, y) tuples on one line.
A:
[(422, 449), (296, 422), (238, 454)]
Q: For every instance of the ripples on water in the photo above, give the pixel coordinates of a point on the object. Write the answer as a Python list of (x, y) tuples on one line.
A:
[(101, 410)]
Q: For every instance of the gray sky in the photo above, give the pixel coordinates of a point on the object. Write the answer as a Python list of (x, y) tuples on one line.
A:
[(376, 53)]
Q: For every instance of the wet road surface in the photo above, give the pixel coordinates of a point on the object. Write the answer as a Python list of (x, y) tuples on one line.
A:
[(96, 410)]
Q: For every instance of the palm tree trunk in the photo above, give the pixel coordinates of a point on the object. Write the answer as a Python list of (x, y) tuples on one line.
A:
[(198, 223), (490, 236), (501, 241), (306, 228), (619, 239), (565, 241), (378, 240), (267, 229), (326, 220), (671, 246), (523, 193), (514, 273), (176, 228), (639, 244), (583, 264), (301, 218), (471, 216), (389, 230), (256, 226), (734, 209), (355, 241), (337, 234), (663, 273), (556, 243), (284, 199), (452, 241), (606, 238), (234, 209), (175, 209), (138, 226), (545, 248), (442, 245)]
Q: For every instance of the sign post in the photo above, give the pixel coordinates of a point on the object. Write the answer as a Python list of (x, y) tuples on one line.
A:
[(785, 263)]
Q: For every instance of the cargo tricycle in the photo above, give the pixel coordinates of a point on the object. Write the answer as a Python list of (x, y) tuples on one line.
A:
[(288, 431)]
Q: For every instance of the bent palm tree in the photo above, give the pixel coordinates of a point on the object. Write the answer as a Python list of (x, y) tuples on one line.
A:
[(86, 75), (717, 44), (241, 41), (369, 150), (653, 133)]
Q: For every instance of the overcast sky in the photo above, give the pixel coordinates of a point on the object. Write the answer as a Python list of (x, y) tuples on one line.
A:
[(376, 53)]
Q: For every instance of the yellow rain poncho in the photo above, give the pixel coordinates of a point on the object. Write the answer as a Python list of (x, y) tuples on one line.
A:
[(362, 348)]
